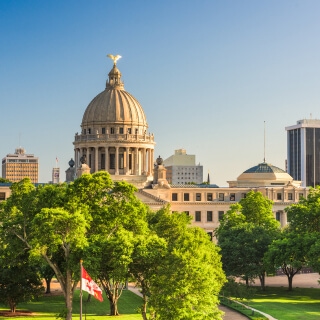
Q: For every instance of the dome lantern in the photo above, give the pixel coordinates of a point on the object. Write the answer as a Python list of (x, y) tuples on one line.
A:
[(114, 81)]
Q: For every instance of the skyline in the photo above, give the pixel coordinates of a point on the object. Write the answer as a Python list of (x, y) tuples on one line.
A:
[(212, 77)]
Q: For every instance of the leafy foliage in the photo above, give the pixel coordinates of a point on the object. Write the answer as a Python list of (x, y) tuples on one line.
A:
[(188, 280), (304, 223), (19, 281), (244, 235)]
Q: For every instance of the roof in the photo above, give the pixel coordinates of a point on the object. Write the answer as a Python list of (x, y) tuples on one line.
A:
[(264, 168)]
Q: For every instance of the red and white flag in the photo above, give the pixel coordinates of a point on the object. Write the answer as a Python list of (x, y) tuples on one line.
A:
[(87, 284)]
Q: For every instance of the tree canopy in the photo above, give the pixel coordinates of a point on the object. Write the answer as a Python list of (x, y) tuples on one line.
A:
[(104, 224), (304, 223), (244, 235), (189, 277)]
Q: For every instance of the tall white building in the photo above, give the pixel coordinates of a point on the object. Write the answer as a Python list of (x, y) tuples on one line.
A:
[(182, 169), (56, 175), (303, 151)]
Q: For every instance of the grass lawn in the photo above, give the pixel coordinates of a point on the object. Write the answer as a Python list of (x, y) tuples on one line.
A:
[(47, 307), (299, 304)]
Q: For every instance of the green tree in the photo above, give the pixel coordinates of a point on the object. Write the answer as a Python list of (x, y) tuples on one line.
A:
[(188, 280), (244, 235), (304, 216), (304, 223), (289, 253), (114, 264), (148, 255), (55, 220), (112, 239), (20, 281)]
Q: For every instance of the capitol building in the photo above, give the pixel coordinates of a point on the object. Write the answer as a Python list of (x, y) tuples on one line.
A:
[(115, 137)]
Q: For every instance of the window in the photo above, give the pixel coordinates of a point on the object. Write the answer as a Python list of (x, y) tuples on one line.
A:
[(221, 196), (243, 195), (112, 161), (290, 196), (2, 196), (198, 216), (112, 130), (136, 131), (103, 161), (279, 196), (103, 130), (209, 216), (232, 197), (121, 130), (84, 131), (209, 197), (278, 216), (186, 196), (210, 234), (198, 196), (89, 131), (174, 197), (129, 130), (300, 195), (187, 213), (220, 215)]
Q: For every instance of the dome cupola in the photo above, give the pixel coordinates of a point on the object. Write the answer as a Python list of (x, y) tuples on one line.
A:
[(114, 134)]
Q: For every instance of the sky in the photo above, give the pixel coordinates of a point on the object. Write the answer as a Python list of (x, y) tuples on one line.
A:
[(219, 78)]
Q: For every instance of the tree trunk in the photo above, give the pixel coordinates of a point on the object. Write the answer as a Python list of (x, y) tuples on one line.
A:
[(290, 278), (12, 306), (144, 308), (262, 278), (113, 293), (48, 285), (113, 308)]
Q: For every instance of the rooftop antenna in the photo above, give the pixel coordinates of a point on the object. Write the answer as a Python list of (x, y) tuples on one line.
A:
[(264, 142)]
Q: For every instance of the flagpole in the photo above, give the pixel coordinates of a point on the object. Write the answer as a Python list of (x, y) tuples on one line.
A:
[(80, 289)]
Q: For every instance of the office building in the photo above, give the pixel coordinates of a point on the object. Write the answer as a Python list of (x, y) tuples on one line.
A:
[(56, 175), (303, 152), (20, 165), (182, 169)]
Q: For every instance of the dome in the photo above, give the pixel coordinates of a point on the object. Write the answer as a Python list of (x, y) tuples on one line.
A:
[(263, 174), (114, 106), (264, 168), (114, 135)]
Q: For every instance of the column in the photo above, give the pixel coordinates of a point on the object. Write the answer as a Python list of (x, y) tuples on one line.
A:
[(144, 161), (284, 220), (127, 160), (136, 161), (76, 157), (96, 159), (151, 161), (117, 162), (106, 159)]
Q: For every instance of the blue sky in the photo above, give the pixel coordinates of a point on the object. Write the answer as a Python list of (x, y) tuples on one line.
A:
[(208, 74)]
